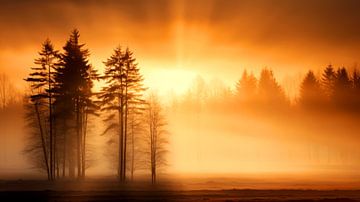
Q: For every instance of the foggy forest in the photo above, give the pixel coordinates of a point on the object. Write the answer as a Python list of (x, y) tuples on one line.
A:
[(62, 109), (180, 100)]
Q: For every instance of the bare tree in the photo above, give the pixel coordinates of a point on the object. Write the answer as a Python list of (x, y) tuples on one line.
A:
[(157, 136), (7, 91)]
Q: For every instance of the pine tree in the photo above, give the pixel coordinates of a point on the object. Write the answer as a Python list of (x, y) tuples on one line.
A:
[(42, 86), (327, 81), (355, 98), (342, 88), (310, 91), (75, 80), (122, 94), (246, 87), (269, 91)]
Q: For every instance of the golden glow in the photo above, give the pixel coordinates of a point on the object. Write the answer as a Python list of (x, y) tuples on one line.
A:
[(174, 43)]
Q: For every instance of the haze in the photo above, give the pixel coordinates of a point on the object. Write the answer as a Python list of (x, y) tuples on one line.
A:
[(179, 42)]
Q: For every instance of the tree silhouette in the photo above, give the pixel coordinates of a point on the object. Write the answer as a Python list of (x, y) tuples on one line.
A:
[(342, 88), (74, 78), (41, 79), (136, 131), (7, 91), (355, 98), (246, 87), (157, 136), (310, 91), (269, 91), (327, 81), (121, 95)]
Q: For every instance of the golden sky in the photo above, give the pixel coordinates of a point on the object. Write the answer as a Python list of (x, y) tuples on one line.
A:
[(175, 40)]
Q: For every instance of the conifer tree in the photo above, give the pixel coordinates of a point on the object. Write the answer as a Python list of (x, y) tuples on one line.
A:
[(121, 95), (42, 85), (246, 87), (327, 81), (310, 91), (75, 80), (269, 91)]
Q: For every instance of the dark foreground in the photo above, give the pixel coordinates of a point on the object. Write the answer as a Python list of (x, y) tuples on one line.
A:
[(203, 195), (107, 190)]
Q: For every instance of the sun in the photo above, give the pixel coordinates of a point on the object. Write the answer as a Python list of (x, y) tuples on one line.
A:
[(165, 81)]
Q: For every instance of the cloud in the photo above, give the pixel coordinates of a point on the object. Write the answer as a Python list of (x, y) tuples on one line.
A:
[(206, 34)]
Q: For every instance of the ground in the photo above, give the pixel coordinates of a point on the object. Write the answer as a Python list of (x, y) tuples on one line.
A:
[(111, 190)]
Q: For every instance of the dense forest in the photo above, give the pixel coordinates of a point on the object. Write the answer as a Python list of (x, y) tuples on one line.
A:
[(62, 108)]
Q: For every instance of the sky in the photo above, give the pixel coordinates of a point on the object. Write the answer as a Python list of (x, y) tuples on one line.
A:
[(176, 40)]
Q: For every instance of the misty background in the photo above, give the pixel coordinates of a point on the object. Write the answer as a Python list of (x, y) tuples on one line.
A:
[(178, 44)]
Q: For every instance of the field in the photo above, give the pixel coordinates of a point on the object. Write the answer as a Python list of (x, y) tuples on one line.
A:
[(216, 189)]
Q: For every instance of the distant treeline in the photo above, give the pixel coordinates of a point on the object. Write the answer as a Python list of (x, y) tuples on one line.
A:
[(333, 90), (61, 105)]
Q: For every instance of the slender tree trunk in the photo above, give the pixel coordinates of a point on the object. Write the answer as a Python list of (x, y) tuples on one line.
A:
[(151, 145), (125, 129), (42, 140), (154, 148), (120, 143), (64, 148), (71, 156), (132, 149), (84, 145), (56, 162), (78, 141), (52, 168)]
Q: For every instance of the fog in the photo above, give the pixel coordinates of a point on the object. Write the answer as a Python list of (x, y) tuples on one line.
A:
[(193, 54), (212, 133)]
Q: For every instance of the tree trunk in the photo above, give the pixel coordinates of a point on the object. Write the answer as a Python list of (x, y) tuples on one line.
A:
[(64, 148), (42, 141), (52, 168), (125, 130), (78, 141), (84, 145), (121, 136), (56, 161), (132, 149), (120, 168)]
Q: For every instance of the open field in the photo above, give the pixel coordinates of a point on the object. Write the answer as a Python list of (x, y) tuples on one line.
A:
[(111, 190)]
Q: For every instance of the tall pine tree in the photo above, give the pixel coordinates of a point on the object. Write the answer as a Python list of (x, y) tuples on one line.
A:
[(74, 90), (120, 96), (42, 85)]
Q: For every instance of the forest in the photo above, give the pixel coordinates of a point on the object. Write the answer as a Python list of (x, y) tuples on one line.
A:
[(62, 108)]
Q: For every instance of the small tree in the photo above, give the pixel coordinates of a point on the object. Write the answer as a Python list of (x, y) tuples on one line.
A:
[(270, 92), (246, 87), (157, 136), (342, 88), (355, 98), (7, 94), (328, 81), (310, 91)]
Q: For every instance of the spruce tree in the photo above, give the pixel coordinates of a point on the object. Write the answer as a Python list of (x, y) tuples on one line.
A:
[(74, 90), (310, 91)]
